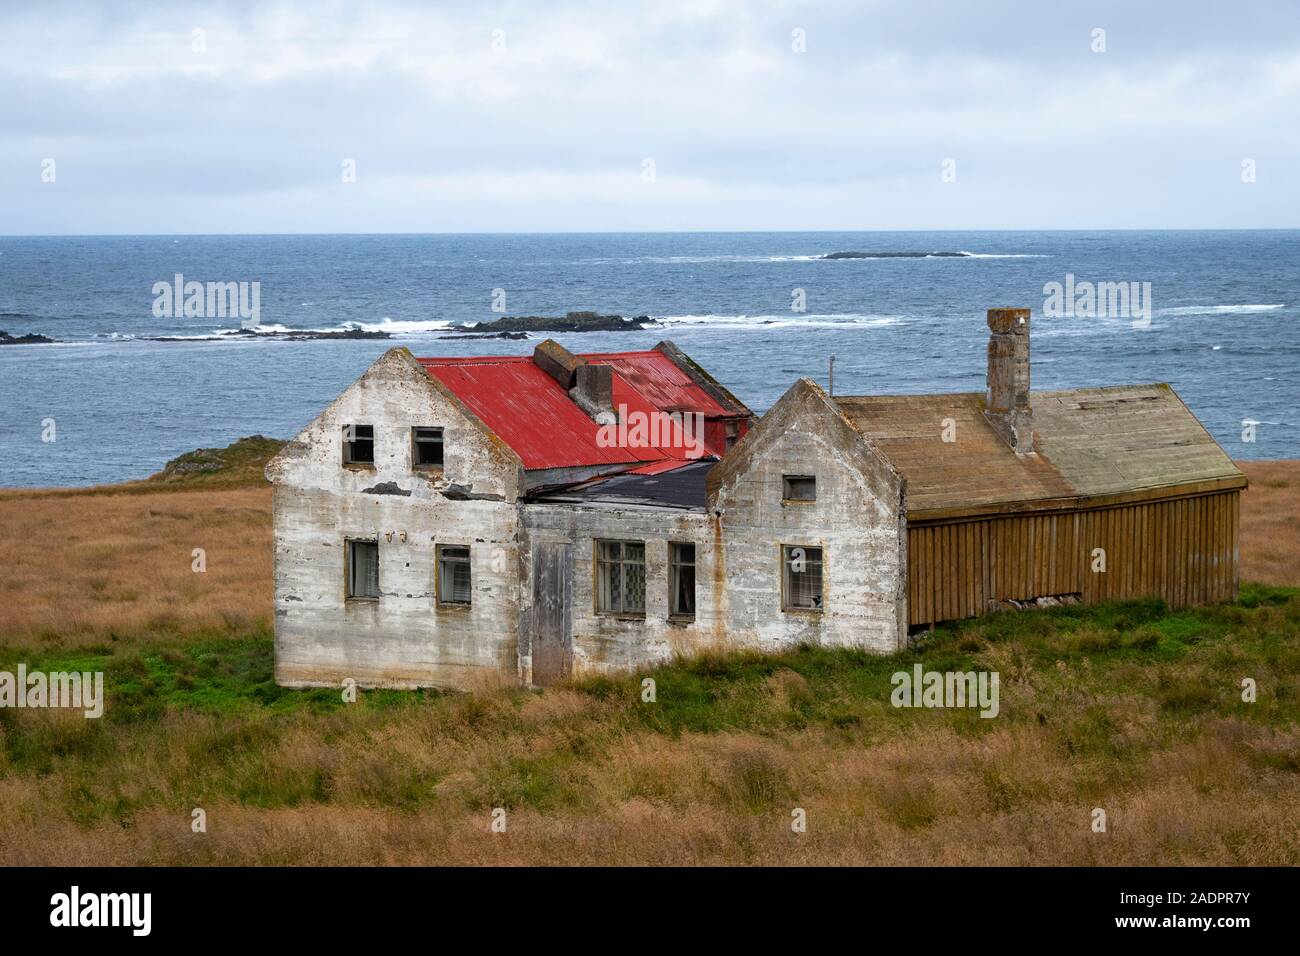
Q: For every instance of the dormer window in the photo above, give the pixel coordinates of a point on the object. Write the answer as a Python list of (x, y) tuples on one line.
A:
[(359, 444), (799, 488), (426, 447)]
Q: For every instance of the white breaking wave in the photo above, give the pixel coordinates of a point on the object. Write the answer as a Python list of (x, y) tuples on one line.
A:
[(394, 327), (1219, 309), (1005, 255), (787, 320)]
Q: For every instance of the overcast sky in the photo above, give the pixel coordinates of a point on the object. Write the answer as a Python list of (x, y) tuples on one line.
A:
[(551, 116)]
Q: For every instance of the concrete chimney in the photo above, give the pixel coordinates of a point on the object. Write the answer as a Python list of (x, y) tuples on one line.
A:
[(558, 362), (1007, 399), (594, 391)]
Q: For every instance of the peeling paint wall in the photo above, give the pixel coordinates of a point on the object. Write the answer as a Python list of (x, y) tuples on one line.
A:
[(404, 639)]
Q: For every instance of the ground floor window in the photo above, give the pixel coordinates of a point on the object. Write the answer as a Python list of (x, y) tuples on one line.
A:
[(801, 578), (363, 569), (681, 579), (620, 577), (453, 574)]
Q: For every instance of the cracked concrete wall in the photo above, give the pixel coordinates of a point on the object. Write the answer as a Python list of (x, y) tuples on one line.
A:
[(405, 639)]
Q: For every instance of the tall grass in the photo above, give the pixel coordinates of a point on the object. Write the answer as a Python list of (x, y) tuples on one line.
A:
[(1128, 707)]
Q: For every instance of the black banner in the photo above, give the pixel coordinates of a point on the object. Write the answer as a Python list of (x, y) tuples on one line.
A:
[(933, 905)]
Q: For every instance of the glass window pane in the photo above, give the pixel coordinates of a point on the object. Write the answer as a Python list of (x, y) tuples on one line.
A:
[(454, 577)]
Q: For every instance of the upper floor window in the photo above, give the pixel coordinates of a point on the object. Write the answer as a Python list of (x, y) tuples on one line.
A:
[(426, 447), (620, 577), (358, 444), (799, 488), (681, 579), (363, 570), (801, 578)]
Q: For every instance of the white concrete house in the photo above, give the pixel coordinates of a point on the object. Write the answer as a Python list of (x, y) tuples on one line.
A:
[(528, 518)]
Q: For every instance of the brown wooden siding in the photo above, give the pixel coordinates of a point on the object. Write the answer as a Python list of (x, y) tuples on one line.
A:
[(1184, 550)]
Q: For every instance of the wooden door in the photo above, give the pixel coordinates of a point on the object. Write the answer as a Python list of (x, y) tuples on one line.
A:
[(552, 641)]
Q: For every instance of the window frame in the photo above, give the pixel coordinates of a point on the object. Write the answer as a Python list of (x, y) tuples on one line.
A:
[(441, 601), (787, 486), (350, 567), (416, 464), (675, 564), (598, 562), (786, 606), (348, 460)]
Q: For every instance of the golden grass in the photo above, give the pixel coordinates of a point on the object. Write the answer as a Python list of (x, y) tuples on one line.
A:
[(934, 796), (584, 779), (81, 567), (1270, 522)]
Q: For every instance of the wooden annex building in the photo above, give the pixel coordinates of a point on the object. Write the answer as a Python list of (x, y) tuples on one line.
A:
[(1090, 494)]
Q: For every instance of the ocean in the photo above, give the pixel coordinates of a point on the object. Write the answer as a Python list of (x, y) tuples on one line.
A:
[(1220, 325)]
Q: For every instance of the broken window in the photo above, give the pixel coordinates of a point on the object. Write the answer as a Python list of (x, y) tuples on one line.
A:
[(620, 577), (426, 447), (453, 574), (799, 487), (358, 444), (681, 579), (363, 569), (801, 578)]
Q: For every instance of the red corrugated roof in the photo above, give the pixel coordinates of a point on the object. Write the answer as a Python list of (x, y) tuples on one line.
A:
[(530, 412), (534, 415), (656, 379)]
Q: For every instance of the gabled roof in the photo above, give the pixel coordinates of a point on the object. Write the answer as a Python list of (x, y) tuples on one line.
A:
[(1091, 443), (533, 413)]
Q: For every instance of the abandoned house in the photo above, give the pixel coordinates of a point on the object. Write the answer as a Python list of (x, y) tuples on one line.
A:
[(525, 518)]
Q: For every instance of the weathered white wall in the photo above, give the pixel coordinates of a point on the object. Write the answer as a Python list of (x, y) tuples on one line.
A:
[(404, 639), (603, 643), (858, 520)]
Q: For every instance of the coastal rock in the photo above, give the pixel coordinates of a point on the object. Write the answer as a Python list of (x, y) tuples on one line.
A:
[(571, 322), (487, 335), (31, 338), (290, 335)]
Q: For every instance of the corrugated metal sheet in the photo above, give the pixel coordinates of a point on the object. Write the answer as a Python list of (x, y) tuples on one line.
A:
[(532, 413), (655, 379)]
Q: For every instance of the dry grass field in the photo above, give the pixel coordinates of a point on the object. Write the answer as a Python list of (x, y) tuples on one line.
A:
[(1132, 708)]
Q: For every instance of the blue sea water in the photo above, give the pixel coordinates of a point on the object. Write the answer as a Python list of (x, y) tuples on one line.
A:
[(1223, 330)]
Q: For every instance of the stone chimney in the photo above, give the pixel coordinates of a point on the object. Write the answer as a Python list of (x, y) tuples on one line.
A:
[(558, 362), (1007, 400), (594, 392)]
